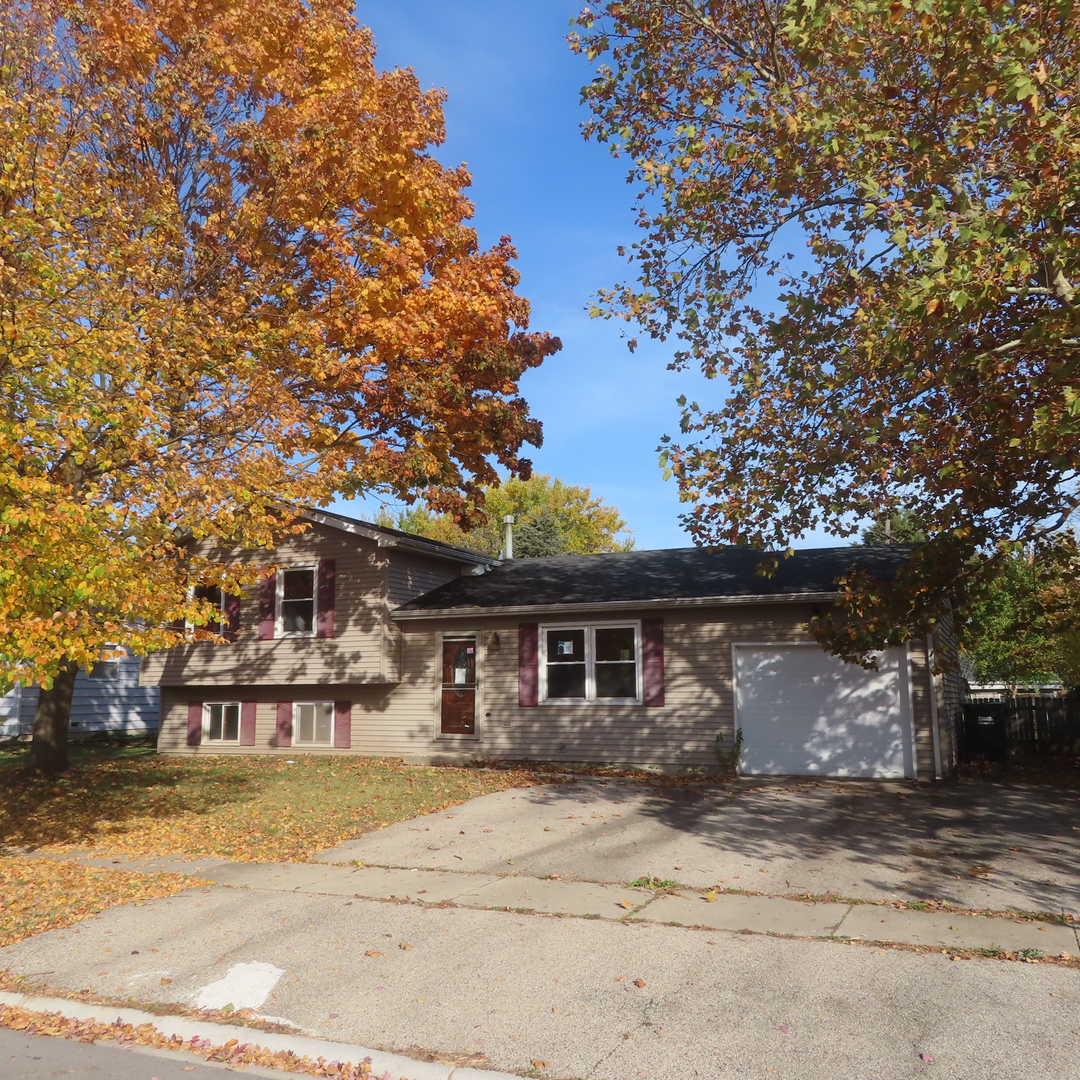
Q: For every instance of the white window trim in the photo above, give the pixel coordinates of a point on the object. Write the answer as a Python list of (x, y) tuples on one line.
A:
[(222, 620), (279, 599), (296, 721), (590, 663), (206, 723), (478, 702)]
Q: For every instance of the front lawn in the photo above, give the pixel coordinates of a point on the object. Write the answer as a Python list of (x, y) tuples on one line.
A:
[(125, 801)]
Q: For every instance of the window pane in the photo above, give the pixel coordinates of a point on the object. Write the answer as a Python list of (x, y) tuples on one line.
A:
[(616, 680), (459, 661), (230, 722), (213, 594), (324, 721), (566, 680), (106, 669), (305, 723), (298, 615), (565, 646), (214, 731), (615, 643), (299, 584)]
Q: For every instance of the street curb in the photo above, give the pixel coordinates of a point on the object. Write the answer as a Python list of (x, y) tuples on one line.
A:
[(394, 1066)]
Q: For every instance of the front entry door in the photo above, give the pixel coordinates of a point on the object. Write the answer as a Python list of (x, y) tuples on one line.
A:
[(457, 713)]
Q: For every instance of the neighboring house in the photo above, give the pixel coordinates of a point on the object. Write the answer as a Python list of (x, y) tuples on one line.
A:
[(373, 641), (110, 699)]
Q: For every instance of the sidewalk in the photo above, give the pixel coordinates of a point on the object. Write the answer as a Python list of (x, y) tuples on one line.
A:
[(424, 964), (593, 900)]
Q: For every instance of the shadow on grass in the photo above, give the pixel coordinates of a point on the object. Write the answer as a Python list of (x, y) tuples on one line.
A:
[(109, 785)]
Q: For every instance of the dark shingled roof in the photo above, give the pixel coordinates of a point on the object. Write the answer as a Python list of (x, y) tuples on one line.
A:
[(696, 573)]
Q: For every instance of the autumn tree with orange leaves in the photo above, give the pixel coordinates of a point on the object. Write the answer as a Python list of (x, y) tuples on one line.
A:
[(861, 215), (233, 282)]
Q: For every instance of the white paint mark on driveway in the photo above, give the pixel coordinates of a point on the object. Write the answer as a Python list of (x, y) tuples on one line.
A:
[(246, 986)]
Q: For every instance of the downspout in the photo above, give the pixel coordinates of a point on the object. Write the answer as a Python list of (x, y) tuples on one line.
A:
[(934, 728)]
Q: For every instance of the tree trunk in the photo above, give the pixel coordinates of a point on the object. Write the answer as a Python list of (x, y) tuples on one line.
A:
[(49, 748)]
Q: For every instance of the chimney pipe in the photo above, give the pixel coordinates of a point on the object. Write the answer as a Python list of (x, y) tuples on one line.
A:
[(508, 536)]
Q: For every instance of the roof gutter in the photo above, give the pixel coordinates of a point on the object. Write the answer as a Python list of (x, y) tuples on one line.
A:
[(613, 605)]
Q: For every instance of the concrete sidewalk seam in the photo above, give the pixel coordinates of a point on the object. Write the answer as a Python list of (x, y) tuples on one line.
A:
[(734, 912), (397, 1066)]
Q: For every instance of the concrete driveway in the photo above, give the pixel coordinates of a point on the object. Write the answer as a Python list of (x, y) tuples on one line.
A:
[(983, 846)]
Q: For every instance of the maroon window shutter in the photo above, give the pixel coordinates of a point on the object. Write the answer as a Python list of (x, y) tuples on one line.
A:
[(327, 588), (231, 610), (267, 603), (194, 723), (343, 725), (248, 710), (284, 723), (652, 649), (528, 664)]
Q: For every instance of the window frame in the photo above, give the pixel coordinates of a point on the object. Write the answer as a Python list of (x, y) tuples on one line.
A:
[(207, 706), (481, 636), (222, 621), (107, 670), (296, 725), (279, 602), (590, 629)]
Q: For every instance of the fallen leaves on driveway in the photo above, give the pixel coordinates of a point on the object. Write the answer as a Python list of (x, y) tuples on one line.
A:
[(256, 809), (48, 894), (231, 1052)]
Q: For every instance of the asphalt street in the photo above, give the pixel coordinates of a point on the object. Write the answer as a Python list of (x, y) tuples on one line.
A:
[(41, 1057)]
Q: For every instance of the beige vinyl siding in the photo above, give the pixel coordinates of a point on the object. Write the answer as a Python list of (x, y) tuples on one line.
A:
[(409, 576), (401, 720), (378, 727), (951, 692), (698, 699), (362, 649), (921, 688)]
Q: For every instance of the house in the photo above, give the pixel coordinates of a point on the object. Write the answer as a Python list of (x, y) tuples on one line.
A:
[(373, 641), (110, 699)]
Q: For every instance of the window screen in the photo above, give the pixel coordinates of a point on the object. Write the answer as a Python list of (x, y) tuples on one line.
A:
[(313, 723), (223, 723)]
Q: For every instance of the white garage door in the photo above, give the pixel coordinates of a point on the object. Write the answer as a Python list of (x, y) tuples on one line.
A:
[(803, 712)]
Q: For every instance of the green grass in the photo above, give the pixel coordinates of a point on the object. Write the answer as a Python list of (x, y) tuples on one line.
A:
[(127, 800)]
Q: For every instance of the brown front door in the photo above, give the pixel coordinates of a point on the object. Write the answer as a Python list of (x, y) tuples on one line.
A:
[(457, 714)]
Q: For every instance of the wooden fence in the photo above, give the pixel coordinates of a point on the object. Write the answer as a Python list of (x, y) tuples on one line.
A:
[(992, 731)]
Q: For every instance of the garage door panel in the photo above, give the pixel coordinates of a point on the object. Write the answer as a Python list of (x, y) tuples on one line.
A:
[(804, 712)]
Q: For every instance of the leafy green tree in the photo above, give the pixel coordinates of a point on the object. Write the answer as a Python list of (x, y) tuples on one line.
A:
[(1013, 636), (553, 518), (924, 349), (899, 527)]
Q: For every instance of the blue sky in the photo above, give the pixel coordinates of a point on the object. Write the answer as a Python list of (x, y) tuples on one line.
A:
[(513, 116)]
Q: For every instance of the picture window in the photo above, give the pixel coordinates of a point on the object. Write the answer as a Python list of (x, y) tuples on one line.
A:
[(591, 663)]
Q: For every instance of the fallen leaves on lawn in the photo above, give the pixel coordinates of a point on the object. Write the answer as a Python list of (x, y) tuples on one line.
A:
[(257, 809), (231, 1052), (49, 894)]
